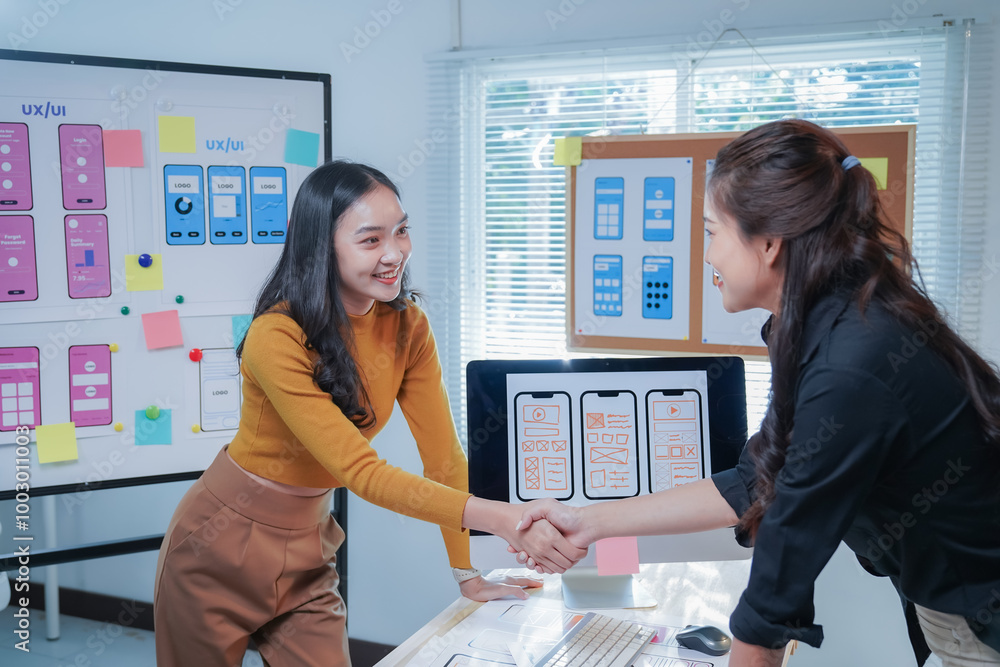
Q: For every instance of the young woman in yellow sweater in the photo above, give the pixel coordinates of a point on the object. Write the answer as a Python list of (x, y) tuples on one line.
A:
[(334, 343)]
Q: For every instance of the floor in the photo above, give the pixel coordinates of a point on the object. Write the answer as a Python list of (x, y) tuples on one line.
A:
[(82, 643)]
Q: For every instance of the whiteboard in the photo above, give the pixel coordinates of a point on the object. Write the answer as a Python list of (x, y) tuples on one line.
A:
[(229, 144)]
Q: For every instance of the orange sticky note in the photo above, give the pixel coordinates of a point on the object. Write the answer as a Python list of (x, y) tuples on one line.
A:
[(122, 148), (617, 555), (162, 329)]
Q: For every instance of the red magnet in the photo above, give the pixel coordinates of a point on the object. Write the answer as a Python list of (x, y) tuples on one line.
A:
[(195, 354)]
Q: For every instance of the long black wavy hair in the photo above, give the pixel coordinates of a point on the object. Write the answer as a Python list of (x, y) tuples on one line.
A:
[(786, 180), (305, 284)]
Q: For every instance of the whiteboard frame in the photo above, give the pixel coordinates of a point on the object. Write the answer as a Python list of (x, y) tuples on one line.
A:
[(323, 79)]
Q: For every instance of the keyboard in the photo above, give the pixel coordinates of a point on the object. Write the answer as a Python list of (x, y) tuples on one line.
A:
[(599, 641)]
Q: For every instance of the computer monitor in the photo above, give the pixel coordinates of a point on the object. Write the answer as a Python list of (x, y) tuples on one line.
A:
[(593, 430)]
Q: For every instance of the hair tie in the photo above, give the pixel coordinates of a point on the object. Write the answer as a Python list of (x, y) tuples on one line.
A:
[(850, 161)]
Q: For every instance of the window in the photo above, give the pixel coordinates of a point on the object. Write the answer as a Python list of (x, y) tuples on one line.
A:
[(505, 243)]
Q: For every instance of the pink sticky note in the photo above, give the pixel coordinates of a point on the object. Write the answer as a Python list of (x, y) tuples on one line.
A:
[(617, 555), (122, 148), (162, 329)]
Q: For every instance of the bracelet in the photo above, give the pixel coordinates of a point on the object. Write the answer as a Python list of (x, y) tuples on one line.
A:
[(463, 574)]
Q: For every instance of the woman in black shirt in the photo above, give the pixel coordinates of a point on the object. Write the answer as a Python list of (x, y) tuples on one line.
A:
[(883, 428)]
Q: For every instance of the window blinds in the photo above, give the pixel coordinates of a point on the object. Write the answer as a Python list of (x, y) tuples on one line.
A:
[(498, 287)]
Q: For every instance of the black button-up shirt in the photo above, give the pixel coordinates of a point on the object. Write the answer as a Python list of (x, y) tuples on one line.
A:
[(886, 454)]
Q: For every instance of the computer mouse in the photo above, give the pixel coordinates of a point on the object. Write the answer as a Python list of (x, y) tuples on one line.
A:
[(705, 639)]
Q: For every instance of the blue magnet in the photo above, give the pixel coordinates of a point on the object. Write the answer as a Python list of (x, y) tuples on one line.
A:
[(145, 260)]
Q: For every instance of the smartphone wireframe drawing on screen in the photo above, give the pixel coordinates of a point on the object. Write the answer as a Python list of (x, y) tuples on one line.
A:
[(658, 287), (609, 207), (20, 388), (227, 220), (543, 445), (268, 204), (610, 444), (88, 261), (18, 267), (608, 285), (675, 438), (15, 163), (90, 385), (81, 162), (184, 199), (658, 209)]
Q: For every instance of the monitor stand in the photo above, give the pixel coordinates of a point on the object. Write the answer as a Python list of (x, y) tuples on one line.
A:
[(583, 588)]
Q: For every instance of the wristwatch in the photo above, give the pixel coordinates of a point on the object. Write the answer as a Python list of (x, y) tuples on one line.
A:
[(463, 574)]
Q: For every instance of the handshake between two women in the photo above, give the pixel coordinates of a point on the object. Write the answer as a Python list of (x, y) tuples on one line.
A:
[(554, 536), (550, 537)]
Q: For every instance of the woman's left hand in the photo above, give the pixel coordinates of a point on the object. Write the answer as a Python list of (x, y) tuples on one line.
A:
[(483, 590)]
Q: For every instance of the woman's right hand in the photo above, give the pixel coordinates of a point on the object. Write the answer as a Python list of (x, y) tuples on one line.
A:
[(551, 552), (689, 508), (568, 520)]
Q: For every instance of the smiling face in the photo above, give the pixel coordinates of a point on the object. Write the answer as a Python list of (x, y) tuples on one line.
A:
[(748, 272), (372, 244)]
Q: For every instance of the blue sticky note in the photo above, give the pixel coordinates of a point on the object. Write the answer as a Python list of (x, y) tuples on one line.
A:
[(153, 431), (301, 147), (240, 325)]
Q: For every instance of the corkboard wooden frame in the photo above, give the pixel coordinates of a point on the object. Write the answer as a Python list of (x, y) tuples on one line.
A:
[(895, 142)]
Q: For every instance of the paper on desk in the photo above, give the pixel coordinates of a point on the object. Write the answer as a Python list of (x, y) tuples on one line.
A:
[(526, 655), (483, 638)]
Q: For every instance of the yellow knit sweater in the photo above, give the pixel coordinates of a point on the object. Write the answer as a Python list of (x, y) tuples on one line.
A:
[(292, 432)]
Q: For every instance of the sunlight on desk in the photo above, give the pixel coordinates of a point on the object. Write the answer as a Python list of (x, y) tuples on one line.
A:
[(474, 634)]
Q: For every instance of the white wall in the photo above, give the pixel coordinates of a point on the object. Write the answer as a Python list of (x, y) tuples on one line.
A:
[(989, 333), (379, 108)]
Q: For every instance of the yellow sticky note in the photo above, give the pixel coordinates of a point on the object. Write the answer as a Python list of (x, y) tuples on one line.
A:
[(56, 442), (140, 278), (879, 167), (176, 134), (569, 152)]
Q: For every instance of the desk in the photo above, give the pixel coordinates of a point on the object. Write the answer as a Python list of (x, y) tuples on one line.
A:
[(706, 592)]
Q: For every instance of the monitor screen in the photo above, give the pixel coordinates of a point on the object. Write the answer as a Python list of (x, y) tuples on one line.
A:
[(595, 430)]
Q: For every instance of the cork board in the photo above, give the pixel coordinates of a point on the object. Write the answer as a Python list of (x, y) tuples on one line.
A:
[(634, 212)]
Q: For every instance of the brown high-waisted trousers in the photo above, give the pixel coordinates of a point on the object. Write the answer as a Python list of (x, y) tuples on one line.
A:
[(241, 560)]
